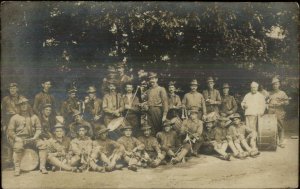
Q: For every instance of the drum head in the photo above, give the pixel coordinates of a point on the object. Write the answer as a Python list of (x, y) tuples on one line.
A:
[(115, 123), (30, 160)]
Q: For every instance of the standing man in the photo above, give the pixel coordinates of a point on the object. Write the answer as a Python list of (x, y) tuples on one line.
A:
[(277, 100), (8, 109), (44, 97), (174, 101), (111, 77), (123, 79), (24, 130), (212, 97), (112, 104), (93, 105), (131, 106), (157, 101), (194, 99), (228, 104), (70, 105), (254, 106)]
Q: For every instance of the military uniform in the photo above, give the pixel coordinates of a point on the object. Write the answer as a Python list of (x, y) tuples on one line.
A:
[(212, 95), (68, 107), (174, 104), (47, 126), (157, 102), (132, 115), (228, 104), (122, 81), (72, 129), (43, 98), (112, 102), (81, 149)]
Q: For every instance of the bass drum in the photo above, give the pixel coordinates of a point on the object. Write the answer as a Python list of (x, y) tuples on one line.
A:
[(267, 132), (30, 160)]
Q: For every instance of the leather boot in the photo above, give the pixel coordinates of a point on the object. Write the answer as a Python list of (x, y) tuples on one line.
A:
[(43, 158)]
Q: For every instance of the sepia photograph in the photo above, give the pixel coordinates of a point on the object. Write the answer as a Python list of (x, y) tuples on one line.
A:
[(149, 94)]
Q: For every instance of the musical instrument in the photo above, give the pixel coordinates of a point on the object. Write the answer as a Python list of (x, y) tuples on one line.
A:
[(115, 123), (267, 132), (29, 161), (177, 123)]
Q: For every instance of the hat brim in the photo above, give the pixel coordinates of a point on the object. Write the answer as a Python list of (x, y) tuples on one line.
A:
[(144, 128), (103, 131)]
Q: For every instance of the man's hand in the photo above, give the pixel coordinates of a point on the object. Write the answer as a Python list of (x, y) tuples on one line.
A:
[(97, 117), (164, 118)]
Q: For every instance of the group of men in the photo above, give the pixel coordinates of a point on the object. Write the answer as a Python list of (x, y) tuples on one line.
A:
[(159, 127)]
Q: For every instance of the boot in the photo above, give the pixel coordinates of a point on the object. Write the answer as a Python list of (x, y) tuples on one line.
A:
[(132, 168), (43, 158), (17, 159), (17, 170)]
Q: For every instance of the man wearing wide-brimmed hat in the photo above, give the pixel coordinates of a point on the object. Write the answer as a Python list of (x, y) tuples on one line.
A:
[(70, 105), (194, 99), (157, 101), (254, 105), (212, 97), (81, 148), (152, 153), (122, 78), (58, 148), (78, 120), (133, 148), (47, 121), (174, 101), (113, 104), (228, 105), (277, 100), (93, 105), (105, 152), (111, 77), (23, 131), (44, 97)]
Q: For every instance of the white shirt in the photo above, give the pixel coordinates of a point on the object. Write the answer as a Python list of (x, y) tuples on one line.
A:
[(255, 102)]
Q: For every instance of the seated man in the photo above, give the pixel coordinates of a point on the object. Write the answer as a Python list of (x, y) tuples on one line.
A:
[(81, 148), (58, 150), (78, 120), (171, 145), (152, 154), (105, 152), (133, 148), (193, 128), (24, 129), (243, 136)]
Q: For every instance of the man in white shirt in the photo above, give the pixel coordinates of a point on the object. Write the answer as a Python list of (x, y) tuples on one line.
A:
[(254, 105)]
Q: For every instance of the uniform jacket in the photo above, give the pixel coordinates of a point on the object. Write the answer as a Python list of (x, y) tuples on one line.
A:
[(212, 95), (107, 147), (81, 146), (41, 99), (94, 107), (193, 127), (9, 108), (151, 144), (130, 143), (112, 102), (168, 140), (194, 99), (157, 96), (68, 107), (277, 100), (228, 105), (54, 145), (72, 129), (174, 101)]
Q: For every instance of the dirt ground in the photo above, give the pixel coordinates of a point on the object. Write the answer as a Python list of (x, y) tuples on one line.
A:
[(270, 170)]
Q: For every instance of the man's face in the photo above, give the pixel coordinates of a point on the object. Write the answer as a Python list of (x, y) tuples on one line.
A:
[(92, 95), (24, 106), (167, 128), (226, 91), (13, 90), (46, 86), (103, 136), (210, 85), (47, 111), (127, 132), (72, 95), (276, 85), (254, 89), (147, 132), (112, 88), (129, 88), (193, 116), (59, 133), (171, 88), (209, 125), (77, 118), (121, 70), (194, 88), (153, 81), (236, 121), (81, 132), (223, 123)]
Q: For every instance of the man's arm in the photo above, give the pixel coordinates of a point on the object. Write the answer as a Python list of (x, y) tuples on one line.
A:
[(164, 98)]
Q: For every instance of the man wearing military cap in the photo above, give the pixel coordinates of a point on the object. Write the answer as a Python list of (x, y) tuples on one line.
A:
[(105, 152), (277, 100), (47, 121), (8, 109), (44, 97), (228, 104), (157, 101), (23, 131), (81, 148), (93, 105), (174, 101), (212, 97), (78, 120), (243, 137), (123, 79), (133, 148), (193, 128), (152, 153), (70, 105), (254, 105), (59, 150), (112, 105), (194, 99), (171, 145)]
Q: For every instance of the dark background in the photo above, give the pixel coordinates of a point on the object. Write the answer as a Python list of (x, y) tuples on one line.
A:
[(228, 41)]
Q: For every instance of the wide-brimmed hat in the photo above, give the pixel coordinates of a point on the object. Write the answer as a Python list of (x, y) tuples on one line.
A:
[(12, 85), (82, 126), (168, 123), (120, 65), (126, 127), (99, 129), (58, 125), (235, 115), (91, 89), (194, 82), (193, 109), (47, 105), (172, 83), (210, 79), (275, 80), (254, 84), (21, 100), (226, 85), (145, 126), (152, 75), (221, 118), (72, 90)]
